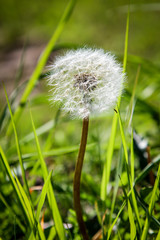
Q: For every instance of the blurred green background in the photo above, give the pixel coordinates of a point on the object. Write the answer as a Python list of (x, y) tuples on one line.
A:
[(97, 23)]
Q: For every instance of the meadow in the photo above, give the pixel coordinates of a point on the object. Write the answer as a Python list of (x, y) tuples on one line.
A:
[(39, 143)]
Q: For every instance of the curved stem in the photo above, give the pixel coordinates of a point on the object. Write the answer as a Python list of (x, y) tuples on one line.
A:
[(77, 178)]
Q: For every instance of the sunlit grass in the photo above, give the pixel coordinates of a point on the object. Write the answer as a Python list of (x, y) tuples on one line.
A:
[(40, 154)]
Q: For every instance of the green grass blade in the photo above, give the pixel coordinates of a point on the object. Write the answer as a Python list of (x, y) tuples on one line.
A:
[(41, 130), (151, 206), (31, 237), (146, 170), (158, 235), (35, 224), (40, 232), (127, 169), (52, 234), (121, 209), (130, 214), (98, 213), (26, 201), (54, 152), (132, 224), (43, 195), (118, 173), (29, 207), (132, 183), (22, 197), (42, 61), (13, 96), (141, 202), (126, 41), (119, 166), (132, 158), (13, 182), (123, 138), (50, 193), (17, 144), (131, 105), (107, 165), (49, 140), (115, 220), (12, 213)]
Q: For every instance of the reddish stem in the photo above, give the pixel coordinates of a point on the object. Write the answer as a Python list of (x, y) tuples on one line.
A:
[(77, 178)]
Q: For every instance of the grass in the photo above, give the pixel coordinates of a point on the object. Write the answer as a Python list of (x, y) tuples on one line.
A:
[(120, 180)]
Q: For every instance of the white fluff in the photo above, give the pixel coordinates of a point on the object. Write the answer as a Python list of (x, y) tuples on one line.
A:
[(86, 81)]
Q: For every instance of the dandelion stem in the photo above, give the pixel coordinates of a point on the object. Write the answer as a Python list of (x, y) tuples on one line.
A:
[(77, 178)]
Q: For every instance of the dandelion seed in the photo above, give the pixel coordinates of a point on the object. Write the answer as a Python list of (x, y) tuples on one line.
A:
[(86, 81)]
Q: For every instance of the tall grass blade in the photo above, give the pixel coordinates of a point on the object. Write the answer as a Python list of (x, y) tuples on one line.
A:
[(49, 140), (118, 173), (147, 169), (15, 187), (42, 61), (132, 185), (107, 165), (143, 205), (151, 206), (43, 195), (52, 234), (132, 224), (54, 152), (50, 193), (158, 235), (130, 215), (110, 149), (23, 199), (134, 202), (40, 232), (132, 158), (17, 144), (26, 202), (115, 220), (11, 212), (123, 139), (126, 41), (131, 105), (41, 130), (4, 114), (36, 228)]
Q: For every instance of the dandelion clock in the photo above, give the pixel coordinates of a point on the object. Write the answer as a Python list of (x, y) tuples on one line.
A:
[(86, 82)]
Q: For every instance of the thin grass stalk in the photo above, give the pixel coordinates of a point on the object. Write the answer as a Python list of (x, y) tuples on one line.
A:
[(151, 206), (128, 173), (77, 178), (107, 165), (137, 180), (17, 144), (134, 201), (16, 189), (118, 173), (50, 192)]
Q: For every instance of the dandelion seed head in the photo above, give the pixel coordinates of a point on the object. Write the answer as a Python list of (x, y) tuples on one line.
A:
[(86, 81)]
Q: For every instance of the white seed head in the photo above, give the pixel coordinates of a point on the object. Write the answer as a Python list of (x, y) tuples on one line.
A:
[(86, 81)]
